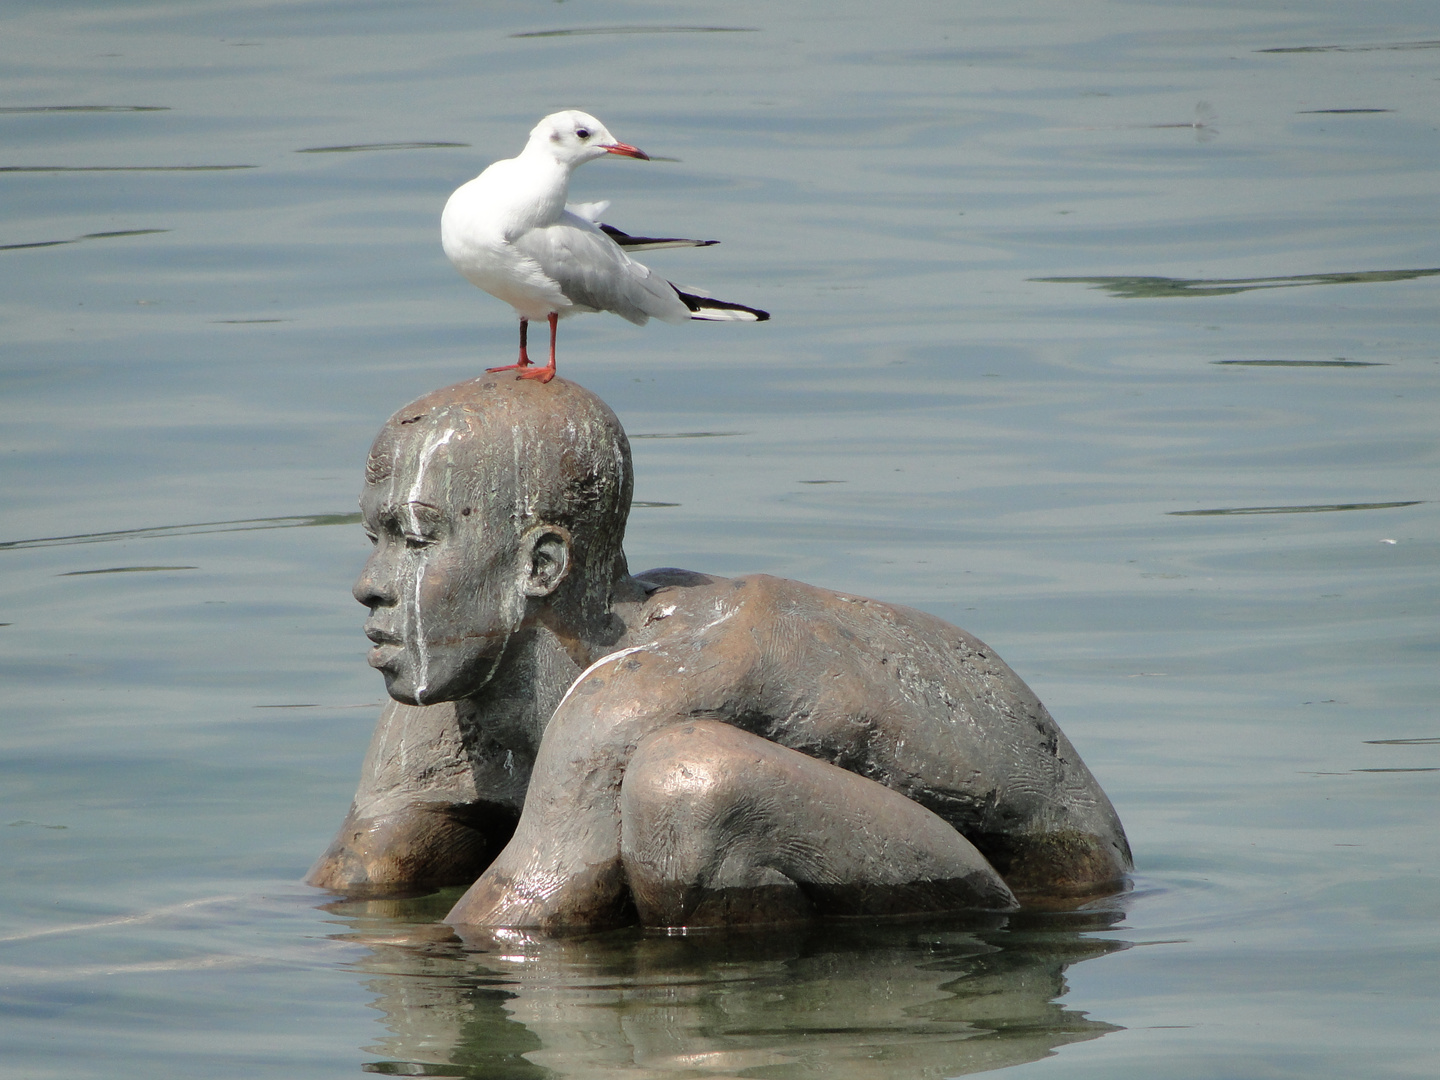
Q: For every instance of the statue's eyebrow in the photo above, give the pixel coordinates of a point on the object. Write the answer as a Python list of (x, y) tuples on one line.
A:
[(413, 514), (421, 519), (425, 513)]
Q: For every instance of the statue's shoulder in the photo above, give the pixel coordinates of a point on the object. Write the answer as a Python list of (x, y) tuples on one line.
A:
[(669, 585), (690, 590), (685, 604), (672, 577)]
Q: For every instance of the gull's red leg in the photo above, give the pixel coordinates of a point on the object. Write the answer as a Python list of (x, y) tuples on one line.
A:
[(545, 374), (524, 359)]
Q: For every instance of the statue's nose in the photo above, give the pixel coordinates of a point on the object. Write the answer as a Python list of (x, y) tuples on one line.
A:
[(374, 587)]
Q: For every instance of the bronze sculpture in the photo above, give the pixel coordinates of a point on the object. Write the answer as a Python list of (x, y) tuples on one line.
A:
[(592, 748)]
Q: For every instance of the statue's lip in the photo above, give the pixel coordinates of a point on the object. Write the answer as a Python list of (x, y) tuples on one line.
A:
[(381, 636)]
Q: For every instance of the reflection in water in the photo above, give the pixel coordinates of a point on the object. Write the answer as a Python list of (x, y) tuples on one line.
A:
[(1139, 288), (840, 1001)]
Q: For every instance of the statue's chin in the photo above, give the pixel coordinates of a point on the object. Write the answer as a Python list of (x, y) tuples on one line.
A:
[(455, 680), (401, 689)]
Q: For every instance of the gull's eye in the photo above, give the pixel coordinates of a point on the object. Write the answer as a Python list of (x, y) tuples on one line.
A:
[(582, 133)]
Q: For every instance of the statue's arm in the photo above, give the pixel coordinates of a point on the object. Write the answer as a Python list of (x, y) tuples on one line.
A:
[(420, 815), (721, 826), (562, 868)]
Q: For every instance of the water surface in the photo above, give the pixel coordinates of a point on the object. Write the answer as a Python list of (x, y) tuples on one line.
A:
[(1141, 392)]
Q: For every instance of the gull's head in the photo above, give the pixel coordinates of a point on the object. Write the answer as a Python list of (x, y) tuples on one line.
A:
[(573, 138)]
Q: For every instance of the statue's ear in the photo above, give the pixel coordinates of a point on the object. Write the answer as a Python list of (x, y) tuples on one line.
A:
[(545, 558)]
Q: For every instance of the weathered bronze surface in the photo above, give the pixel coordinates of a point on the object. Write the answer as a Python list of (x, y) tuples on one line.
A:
[(592, 748)]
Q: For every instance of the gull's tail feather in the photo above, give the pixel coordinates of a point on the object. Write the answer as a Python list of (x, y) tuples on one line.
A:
[(711, 310)]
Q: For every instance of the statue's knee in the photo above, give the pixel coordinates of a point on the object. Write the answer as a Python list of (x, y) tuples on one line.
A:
[(679, 778), (692, 842), (686, 807)]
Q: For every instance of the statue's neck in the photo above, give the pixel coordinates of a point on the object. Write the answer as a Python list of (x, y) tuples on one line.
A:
[(589, 623), (512, 709), (541, 661)]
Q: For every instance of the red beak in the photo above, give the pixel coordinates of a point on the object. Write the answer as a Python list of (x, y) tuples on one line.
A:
[(626, 150)]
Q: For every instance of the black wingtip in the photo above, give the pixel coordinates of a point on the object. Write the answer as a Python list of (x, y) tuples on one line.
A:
[(624, 239), (701, 304)]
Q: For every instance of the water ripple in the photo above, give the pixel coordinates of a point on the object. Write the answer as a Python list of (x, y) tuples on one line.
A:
[(83, 108), (124, 570), (298, 521), (121, 168), (1321, 508), (363, 147), (87, 236), (1337, 362), (686, 435), (599, 30), (1133, 288), (1397, 46)]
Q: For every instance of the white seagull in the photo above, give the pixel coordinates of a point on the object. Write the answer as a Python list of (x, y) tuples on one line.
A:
[(509, 232)]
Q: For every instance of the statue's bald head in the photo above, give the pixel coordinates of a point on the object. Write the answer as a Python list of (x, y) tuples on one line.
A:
[(517, 453)]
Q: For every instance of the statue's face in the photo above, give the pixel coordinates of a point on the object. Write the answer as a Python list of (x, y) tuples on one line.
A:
[(442, 583)]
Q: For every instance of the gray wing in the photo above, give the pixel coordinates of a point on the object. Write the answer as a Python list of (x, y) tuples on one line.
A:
[(596, 275)]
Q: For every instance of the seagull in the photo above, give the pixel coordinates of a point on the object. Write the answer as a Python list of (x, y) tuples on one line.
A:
[(510, 232)]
